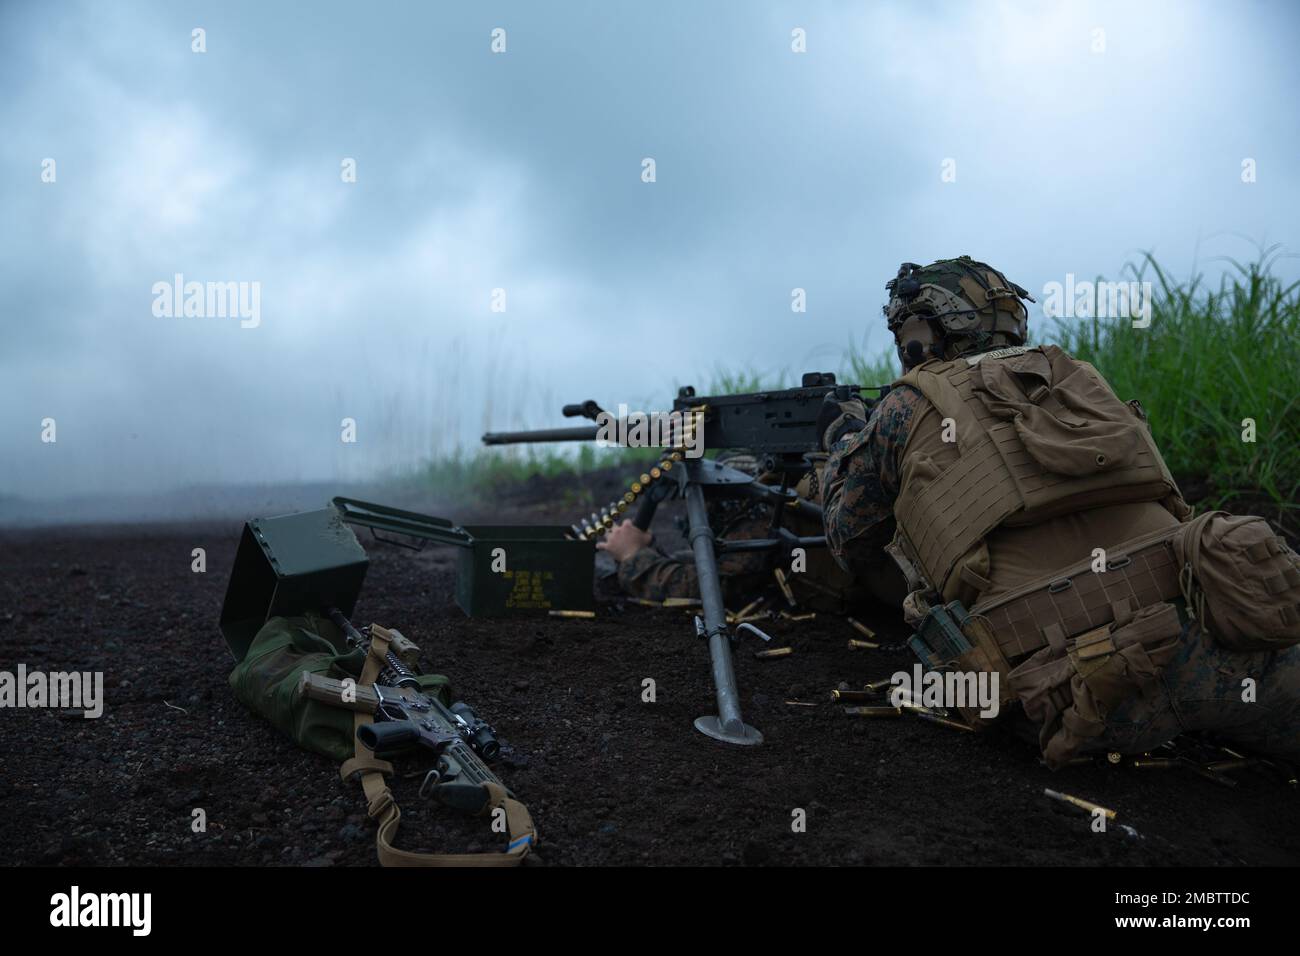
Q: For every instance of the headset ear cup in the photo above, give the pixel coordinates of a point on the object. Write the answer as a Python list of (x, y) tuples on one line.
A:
[(952, 307)]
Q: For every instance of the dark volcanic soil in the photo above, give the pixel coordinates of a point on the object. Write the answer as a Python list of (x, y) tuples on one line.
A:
[(609, 779)]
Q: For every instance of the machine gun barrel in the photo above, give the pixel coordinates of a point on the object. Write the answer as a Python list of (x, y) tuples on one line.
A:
[(580, 433)]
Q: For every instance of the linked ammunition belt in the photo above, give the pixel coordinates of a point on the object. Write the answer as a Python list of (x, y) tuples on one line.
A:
[(1138, 573), (599, 522)]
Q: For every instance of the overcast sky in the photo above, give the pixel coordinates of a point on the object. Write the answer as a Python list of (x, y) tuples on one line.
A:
[(522, 171)]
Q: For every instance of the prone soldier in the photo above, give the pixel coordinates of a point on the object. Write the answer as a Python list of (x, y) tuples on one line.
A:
[(820, 585), (1026, 502)]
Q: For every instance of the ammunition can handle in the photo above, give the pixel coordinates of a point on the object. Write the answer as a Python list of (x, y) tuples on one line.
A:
[(327, 690)]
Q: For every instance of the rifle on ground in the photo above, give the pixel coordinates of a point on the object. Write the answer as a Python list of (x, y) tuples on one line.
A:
[(311, 563), (406, 718), (780, 427)]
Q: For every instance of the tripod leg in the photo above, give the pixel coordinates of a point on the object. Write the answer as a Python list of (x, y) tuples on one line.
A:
[(728, 725)]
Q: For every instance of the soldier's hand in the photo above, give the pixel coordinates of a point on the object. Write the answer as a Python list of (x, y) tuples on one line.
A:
[(624, 540), (837, 419)]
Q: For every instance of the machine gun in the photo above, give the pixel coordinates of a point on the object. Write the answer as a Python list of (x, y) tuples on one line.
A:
[(780, 427)]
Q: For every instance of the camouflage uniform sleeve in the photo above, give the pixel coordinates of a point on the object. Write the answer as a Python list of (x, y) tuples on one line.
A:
[(862, 480), (653, 576), (650, 575)]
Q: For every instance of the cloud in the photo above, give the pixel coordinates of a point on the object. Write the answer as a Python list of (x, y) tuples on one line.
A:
[(522, 171)]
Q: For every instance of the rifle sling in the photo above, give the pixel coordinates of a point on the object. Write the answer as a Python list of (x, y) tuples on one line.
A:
[(382, 808)]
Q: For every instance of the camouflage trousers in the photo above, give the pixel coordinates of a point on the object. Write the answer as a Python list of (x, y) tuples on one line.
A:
[(1205, 687)]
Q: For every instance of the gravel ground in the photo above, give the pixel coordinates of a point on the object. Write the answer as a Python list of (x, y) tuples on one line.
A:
[(609, 779)]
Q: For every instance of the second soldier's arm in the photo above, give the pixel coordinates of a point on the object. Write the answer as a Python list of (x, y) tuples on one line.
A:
[(654, 576)]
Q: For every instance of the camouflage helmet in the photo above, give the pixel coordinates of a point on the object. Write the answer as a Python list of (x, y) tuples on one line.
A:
[(951, 307)]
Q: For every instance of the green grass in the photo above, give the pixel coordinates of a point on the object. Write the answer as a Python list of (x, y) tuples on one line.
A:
[(855, 367), (858, 368), (728, 381), (1210, 358), (483, 471)]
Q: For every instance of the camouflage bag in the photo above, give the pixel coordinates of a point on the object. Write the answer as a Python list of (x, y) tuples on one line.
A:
[(1241, 580), (266, 682)]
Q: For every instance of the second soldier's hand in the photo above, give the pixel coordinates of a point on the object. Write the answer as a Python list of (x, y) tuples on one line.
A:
[(624, 540)]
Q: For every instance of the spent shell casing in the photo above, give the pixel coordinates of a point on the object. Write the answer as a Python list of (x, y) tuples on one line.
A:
[(876, 711), (583, 614), (852, 696), (924, 713), (920, 710), (1114, 757), (1079, 802), (784, 585), (681, 602), (1210, 775), (857, 645), (800, 703), (862, 629), (1153, 763), (1082, 761), (749, 607), (786, 615), (1236, 764), (878, 685), (774, 652), (910, 699)]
